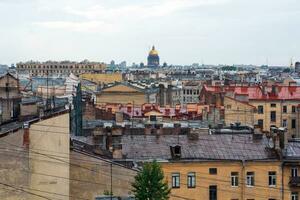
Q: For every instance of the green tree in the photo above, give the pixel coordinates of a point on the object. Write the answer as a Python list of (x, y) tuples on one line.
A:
[(149, 183)]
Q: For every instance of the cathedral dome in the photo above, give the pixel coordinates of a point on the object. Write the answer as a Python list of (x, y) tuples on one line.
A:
[(153, 52)]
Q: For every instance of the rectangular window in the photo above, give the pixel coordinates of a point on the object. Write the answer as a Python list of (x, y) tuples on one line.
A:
[(212, 192), (175, 180), (293, 123), (294, 172), (273, 116), (213, 171), (284, 123), (284, 109), (183, 91), (294, 196), (250, 179), (234, 179), (293, 109), (228, 107), (191, 180), (273, 105), (260, 123), (272, 178), (260, 109)]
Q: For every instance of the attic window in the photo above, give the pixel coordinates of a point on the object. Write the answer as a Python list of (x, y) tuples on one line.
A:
[(175, 151)]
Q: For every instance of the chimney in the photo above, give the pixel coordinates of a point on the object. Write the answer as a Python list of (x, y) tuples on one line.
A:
[(26, 140), (119, 117), (257, 133), (274, 90), (283, 139), (177, 128)]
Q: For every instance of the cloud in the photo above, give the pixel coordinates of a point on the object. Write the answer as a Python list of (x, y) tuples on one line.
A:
[(99, 16)]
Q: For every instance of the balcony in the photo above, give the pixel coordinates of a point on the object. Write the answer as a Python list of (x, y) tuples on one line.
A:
[(294, 181)]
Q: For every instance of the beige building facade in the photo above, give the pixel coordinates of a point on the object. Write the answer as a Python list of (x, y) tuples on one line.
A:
[(54, 68)]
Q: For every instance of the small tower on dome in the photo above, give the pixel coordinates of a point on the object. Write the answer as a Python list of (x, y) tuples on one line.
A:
[(153, 58)]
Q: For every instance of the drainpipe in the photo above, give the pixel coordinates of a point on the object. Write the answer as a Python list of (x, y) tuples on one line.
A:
[(243, 180), (282, 181)]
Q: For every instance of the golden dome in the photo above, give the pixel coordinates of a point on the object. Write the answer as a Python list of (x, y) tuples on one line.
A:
[(153, 52)]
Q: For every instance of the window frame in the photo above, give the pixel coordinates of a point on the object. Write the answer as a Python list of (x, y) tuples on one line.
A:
[(293, 109), (294, 196), (293, 170), (250, 178), (284, 109), (234, 179), (273, 117), (191, 180), (293, 124), (213, 171), (175, 180), (273, 105), (272, 178), (260, 109)]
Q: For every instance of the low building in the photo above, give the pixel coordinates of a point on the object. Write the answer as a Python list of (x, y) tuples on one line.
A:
[(127, 92)]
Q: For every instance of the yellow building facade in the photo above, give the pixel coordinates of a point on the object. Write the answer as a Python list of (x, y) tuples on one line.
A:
[(271, 180), (102, 78), (282, 113), (238, 111), (124, 94)]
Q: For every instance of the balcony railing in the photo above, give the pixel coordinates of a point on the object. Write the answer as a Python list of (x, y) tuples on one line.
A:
[(294, 181)]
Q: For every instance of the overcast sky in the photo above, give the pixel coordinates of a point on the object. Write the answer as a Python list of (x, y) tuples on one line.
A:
[(183, 31)]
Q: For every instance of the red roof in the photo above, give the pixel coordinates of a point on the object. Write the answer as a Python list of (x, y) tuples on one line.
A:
[(256, 92)]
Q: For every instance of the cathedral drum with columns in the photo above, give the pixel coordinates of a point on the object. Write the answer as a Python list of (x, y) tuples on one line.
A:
[(153, 58)]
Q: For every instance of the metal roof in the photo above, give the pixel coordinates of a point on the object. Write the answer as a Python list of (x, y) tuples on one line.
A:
[(206, 147)]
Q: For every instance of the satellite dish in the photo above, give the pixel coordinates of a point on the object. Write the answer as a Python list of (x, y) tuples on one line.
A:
[(271, 143)]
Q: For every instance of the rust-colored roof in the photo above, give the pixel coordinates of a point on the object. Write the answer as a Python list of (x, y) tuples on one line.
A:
[(256, 92)]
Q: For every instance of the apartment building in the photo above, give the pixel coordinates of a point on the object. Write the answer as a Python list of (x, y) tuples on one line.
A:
[(258, 104), (55, 68), (191, 91), (223, 166)]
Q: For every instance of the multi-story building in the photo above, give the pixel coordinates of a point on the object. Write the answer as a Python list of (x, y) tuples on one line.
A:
[(224, 166), (127, 92), (266, 106), (169, 95), (10, 98), (191, 91), (63, 68)]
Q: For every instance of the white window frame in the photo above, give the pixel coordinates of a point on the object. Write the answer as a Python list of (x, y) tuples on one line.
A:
[(294, 196), (175, 180), (191, 180), (235, 180), (250, 180), (272, 177), (294, 172)]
